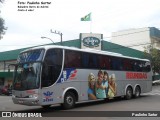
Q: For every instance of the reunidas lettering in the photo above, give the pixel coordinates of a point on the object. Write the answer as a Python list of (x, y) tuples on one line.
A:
[(135, 75)]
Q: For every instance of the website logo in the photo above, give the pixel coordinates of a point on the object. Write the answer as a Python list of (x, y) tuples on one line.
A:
[(20, 115), (6, 114)]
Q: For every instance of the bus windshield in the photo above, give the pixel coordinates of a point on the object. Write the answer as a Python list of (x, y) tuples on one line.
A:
[(27, 71), (31, 56), (27, 76)]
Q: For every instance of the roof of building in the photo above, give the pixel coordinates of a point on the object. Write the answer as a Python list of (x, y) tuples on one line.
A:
[(126, 51), (106, 46), (10, 55)]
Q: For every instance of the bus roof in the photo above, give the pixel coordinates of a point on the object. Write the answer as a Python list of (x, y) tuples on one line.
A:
[(84, 50)]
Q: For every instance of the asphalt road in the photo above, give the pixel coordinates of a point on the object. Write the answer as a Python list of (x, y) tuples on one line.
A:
[(147, 102)]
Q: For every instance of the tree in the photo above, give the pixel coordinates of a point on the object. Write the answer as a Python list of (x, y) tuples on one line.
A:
[(153, 55), (2, 27)]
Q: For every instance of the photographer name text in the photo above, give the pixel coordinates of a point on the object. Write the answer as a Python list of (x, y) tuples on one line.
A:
[(31, 6), (144, 114)]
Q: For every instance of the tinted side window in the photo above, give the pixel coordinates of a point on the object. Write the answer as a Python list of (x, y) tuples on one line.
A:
[(72, 59), (143, 66), (90, 60), (127, 64), (85, 60), (80, 60), (104, 62), (147, 67), (116, 63), (136, 66), (93, 61)]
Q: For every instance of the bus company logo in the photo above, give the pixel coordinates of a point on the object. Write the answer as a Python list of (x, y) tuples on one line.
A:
[(134, 75), (69, 74), (47, 96), (91, 41), (73, 74)]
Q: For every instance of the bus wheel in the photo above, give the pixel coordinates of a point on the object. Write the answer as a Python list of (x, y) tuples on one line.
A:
[(137, 92), (129, 93), (69, 100)]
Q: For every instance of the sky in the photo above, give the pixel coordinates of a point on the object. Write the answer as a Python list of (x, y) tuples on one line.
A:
[(25, 28)]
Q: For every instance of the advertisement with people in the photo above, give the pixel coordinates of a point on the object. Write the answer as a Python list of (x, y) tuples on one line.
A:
[(101, 87)]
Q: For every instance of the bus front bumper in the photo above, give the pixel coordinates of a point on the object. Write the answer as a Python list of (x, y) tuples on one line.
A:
[(26, 101)]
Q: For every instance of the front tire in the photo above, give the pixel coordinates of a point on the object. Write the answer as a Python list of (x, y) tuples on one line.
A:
[(69, 100)]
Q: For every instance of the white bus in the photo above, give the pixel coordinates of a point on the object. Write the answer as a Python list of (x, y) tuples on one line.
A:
[(48, 75)]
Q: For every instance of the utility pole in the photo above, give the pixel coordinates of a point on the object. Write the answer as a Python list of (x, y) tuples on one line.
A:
[(59, 33)]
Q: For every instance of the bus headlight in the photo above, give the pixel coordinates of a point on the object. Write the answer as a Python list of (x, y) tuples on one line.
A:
[(33, 96), (13, 96)]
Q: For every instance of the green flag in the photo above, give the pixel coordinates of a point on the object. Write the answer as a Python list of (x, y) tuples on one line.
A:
[(86, 18)]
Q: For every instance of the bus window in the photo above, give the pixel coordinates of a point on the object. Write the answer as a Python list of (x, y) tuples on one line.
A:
[(116, 63), (72, 59), (104, 62), (142, 67), (51, 67), (107, 63), (89, 60), (147, 67), (93, 61), (85, 60), (127, 64), (101, 61), (136, 65)]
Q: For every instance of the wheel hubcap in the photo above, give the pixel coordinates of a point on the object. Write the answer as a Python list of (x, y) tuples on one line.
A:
[(69, 100), (129, 94), (137, 92)]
